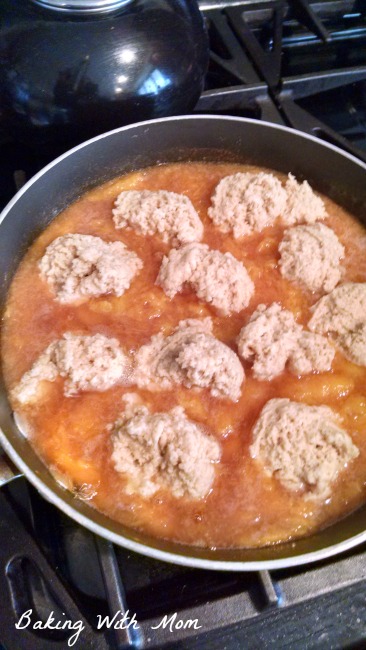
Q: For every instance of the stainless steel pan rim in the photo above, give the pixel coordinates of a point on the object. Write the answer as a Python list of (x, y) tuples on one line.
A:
[(191, 557)]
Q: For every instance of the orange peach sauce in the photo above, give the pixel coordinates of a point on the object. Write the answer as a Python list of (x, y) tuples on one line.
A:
[(245, 507)]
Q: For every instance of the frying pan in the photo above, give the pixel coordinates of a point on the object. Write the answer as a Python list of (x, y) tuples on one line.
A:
[(209, 138)]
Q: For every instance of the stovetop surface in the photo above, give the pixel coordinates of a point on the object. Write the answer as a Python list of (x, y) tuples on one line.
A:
[(297, 63), (317, 606)]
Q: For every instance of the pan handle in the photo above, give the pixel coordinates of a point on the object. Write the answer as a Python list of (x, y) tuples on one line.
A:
[(8, 471)]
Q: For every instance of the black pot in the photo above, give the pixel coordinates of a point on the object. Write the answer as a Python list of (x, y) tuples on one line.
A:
[(68, 75), (174, 139)]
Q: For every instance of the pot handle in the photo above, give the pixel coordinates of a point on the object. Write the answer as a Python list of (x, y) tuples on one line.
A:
[(8, 471)]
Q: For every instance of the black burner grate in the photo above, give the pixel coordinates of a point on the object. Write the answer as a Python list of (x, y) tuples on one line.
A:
[(270, 57)]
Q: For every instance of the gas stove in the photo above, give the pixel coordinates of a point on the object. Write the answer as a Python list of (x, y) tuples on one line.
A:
[(298, 63), (50, 565)]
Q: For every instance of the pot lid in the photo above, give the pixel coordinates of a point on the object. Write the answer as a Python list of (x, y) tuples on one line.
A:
[(83, 6)]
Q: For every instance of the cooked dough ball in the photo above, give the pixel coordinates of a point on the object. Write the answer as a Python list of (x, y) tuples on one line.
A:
[(179, 267), (244, 203), (302, 446), (44, 369), (341, 311), (217, 278), (268, 340), (272, 337), (164, 450), (170, 215), (310, 255), (85, 362), (190, 356), (342, 314), (302, 204), (312, 353), (354, 344), (81, 266)]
